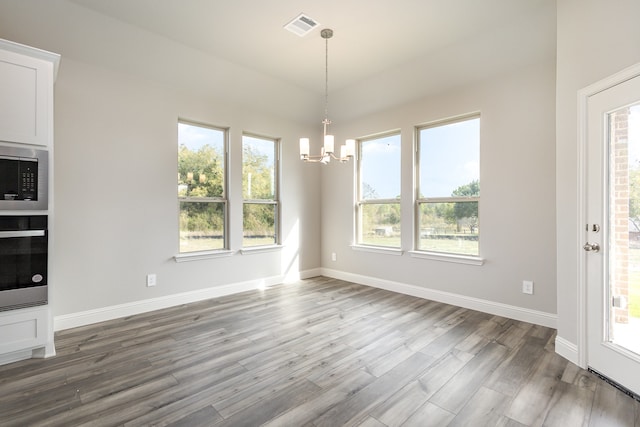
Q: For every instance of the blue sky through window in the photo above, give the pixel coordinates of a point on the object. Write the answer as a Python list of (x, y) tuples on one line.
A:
[(195, 137), (449, 157), (380, 166)]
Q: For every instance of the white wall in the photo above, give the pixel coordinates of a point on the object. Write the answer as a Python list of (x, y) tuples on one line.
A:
[(517, 207), (116, 210), (595, 40), (120, 91), (115, 187)]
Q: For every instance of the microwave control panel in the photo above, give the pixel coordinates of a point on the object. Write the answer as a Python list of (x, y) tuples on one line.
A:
[(29, 178)]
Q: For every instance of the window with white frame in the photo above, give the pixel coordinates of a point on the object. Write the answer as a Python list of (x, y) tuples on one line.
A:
[(260, 171), (378, 191), (202, 166), (448, 186)]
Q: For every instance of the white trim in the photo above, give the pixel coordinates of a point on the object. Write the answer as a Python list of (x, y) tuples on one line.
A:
[(34, 52), (378, 250), (568, 350), (15, 356), (512, 312), (197, 256), (583, 99), (458, 259), (250, 250), (73, 320)]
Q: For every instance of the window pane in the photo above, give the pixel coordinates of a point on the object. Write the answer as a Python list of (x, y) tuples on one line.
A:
[(258, 168), (380, 168), (259, 224), (380, 224), (201, 226), (200, 161), (449, 227), (449, 157)]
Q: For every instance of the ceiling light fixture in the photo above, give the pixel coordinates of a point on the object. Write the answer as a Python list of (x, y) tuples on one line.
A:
[(347, 151)]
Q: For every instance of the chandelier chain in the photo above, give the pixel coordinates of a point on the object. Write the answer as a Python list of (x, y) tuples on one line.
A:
[(326, 79)]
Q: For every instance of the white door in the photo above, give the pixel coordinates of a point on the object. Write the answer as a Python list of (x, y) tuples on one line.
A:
[(612, 233)]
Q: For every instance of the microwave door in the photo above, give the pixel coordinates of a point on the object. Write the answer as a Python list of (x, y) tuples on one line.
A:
[(9, 171)]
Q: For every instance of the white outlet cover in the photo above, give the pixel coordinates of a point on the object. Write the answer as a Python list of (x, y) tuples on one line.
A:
[(527, 287), (151, 279)]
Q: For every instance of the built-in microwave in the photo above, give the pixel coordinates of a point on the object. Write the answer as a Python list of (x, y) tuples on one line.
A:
[(23, 178)]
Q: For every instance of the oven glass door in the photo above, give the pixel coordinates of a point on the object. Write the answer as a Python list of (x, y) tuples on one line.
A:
[(23, 252)]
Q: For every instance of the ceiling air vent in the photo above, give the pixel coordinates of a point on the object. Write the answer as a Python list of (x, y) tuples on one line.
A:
[(301, 25)]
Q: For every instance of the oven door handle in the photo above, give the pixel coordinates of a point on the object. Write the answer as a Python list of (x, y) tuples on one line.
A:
[(21, 233)]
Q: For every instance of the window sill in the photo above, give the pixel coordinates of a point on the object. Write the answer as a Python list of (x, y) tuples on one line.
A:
[(260, 249), (197, 256), (458, 259), (378, 250)]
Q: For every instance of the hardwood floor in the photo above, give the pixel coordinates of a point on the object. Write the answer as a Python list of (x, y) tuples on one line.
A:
[(320, 352)]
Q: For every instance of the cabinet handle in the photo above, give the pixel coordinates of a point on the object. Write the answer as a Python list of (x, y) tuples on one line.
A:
[(21, 233)]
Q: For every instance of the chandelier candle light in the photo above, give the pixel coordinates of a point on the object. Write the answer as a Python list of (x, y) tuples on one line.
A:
[(347, 151)]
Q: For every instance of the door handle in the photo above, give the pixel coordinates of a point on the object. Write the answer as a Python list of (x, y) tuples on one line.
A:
[(591, 247)]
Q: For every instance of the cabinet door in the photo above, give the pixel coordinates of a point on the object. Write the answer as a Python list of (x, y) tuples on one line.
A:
[(25, 86), (23, 329)]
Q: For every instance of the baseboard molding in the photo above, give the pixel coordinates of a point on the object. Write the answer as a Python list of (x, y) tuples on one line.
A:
[(512, 312), (74, 320), (15, 356), (568, 350), (89, 317)]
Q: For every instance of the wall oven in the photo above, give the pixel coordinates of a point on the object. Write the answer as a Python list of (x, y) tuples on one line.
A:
[(23, 178), (23, 261)]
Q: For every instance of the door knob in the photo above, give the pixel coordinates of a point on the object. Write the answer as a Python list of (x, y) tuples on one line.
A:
[(591, 247)]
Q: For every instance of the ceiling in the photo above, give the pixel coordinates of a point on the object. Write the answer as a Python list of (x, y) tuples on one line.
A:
[(370, 36), (383, 53)]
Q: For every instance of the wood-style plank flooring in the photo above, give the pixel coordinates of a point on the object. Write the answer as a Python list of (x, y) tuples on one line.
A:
[(320, 352)]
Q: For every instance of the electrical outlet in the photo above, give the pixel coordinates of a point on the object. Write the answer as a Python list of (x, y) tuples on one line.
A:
[(334, 257), (527, 287), (151, 279)]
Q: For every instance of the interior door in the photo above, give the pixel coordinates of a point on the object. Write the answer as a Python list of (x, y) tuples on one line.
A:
[(612, 233)]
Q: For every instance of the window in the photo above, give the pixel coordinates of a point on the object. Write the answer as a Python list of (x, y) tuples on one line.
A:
[(202, 165), (448, 182), (378, 193), (260, 172)]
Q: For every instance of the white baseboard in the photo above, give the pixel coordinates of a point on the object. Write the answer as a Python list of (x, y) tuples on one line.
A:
[(88, 317), (74, 320), (15, 356), (568, 350), (512, 312)]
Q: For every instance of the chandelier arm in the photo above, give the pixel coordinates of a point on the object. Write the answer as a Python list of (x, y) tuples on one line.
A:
[(341, 159)]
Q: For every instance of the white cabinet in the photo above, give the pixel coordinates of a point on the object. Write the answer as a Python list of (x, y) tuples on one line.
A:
[(24, 329), (26, 93), (26, 119)]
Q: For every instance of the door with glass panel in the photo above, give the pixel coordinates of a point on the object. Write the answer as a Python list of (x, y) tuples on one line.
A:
[(612, 233)]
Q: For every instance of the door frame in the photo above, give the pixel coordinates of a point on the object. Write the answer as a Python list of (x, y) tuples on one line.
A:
[(583, 100)]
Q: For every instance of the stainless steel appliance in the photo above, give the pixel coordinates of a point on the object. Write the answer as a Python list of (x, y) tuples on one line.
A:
[(23, 261), (23, 178)]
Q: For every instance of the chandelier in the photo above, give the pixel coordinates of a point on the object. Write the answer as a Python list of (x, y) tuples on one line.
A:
[(347, 151)]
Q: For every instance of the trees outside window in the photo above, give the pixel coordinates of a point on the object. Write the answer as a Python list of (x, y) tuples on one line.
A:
[(448, 186), (378, 191), (202, 187), (260, 171)]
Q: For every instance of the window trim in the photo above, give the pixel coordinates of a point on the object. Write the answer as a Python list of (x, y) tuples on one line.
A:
[(225, 250), (277, 142), (359, 201), (436, 255)]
